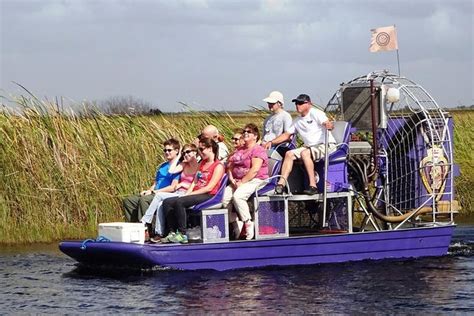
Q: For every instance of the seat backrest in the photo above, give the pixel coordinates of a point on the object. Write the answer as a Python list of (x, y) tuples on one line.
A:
[(292, 144), (341, 131), (274, 168), (216, 199)]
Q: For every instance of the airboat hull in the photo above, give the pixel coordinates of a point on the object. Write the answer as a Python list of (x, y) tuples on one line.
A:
[(404, 243)]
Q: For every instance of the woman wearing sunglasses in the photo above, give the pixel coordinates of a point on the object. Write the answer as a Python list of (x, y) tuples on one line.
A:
[(237, 141), (204, 186), (247, 169), (187, 169)]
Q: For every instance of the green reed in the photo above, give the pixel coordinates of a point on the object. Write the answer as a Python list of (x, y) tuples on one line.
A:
[(464, 157), (61, 174)]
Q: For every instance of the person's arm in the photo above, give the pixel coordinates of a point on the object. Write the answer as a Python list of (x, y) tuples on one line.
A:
[(191, 186), (170, 188), (280, 139), (254, 168), (322, 118), (175, 166), (183, 185), (287, 123), (216, 177), (230, 167), (150, 189)]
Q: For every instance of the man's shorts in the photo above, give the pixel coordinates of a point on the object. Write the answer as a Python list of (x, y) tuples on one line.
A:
[(317, 151)]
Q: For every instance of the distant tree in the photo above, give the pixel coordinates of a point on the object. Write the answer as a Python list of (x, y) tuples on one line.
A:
[(127, 105), (155, 111)]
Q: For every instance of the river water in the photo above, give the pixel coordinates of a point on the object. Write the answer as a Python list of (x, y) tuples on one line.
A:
[(41, 280)]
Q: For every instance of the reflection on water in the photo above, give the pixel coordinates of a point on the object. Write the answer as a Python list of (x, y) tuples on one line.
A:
[(45, 281)]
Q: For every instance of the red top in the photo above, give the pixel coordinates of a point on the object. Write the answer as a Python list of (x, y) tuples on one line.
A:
[(205, 175)]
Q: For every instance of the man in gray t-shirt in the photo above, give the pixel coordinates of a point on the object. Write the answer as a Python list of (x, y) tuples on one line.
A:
[(277, 123)]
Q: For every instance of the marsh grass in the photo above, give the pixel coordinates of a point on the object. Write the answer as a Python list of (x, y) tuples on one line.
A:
[(61, 175), (464, 157)]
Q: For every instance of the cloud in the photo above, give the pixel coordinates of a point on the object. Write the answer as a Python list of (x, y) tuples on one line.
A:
[(203, 51)]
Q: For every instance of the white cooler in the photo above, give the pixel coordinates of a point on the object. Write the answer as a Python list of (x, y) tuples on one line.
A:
[(124, 232)]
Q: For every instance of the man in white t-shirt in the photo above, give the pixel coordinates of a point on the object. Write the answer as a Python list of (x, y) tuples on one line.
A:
[(311, 126), (277, 123)]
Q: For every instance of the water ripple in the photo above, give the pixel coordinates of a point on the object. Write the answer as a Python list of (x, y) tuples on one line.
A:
[(42, 282)]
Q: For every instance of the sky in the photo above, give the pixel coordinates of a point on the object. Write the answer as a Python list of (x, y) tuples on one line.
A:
[(228, 54)]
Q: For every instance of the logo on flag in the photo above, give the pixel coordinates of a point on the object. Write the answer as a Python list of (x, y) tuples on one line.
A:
[(383, 39)]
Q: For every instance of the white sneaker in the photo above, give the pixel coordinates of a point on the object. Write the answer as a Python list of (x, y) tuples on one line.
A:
[(249, 230)]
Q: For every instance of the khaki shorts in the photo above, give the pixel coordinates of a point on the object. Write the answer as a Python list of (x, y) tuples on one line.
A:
[(317, 152)]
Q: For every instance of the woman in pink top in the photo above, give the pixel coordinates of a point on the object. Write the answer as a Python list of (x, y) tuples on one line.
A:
[(188, 168), (247, 169), (204, 186)]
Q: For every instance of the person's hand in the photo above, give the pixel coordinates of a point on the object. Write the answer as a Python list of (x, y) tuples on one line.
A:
[(267, 145), (233, 183), (146, 192), (237, 184), (329, 125)]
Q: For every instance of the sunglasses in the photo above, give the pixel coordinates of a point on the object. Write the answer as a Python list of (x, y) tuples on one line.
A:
[(167, 150), (235, 139), (300, 102), (271, 104), (201, 148), (248, 131), (188, 151)]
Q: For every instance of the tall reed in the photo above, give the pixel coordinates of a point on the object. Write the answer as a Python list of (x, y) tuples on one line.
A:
[(61, 175), (464, 157)]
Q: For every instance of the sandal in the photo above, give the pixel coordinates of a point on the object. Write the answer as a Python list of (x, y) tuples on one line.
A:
[(279, 189), (156, 239)]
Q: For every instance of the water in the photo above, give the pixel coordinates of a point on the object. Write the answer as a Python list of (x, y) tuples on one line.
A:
[(42, 280)]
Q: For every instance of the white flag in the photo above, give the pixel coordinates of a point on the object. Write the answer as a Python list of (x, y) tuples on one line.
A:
[(383, 39)]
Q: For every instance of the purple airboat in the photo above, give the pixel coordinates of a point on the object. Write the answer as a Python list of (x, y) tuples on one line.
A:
[(389, 193)]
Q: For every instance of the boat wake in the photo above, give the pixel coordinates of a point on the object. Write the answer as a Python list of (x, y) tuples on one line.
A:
[(461, 249)]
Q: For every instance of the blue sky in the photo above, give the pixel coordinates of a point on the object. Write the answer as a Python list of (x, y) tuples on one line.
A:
[(228, 55)]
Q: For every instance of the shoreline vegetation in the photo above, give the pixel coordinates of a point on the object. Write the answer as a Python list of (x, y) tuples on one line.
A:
[(61, 175)]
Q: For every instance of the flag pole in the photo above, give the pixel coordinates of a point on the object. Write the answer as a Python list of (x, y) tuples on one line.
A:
[(398, 57), (398, 62)]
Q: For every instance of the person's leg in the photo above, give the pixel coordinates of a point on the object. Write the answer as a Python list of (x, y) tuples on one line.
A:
[(150, 212), (143, 204), (241, 196), (228, 192), (184, 202), (130, 207), (309, 166), (160, 215), (226, 202), (169, 214), (287, 166)]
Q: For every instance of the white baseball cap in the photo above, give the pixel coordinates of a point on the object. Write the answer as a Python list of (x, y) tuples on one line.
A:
[(274, 97)]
